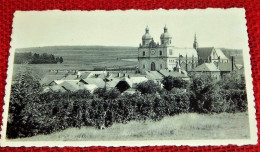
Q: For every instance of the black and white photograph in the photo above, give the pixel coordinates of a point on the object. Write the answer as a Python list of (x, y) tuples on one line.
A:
[(129, 78)]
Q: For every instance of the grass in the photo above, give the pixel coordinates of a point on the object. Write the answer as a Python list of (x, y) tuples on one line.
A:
[(179, 127)]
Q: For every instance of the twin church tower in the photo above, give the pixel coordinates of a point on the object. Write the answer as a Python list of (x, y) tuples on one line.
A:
[(153, 56)]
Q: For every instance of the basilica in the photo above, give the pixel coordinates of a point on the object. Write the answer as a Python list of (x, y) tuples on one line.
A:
[(154, 56)]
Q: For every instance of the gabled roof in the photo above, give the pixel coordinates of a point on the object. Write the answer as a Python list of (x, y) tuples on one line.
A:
[(90, 87), (136, 80), (57, 88), (171, 73), (84, 75), (221, 54), (49, 78), (204, 52), (69, 77), (113, 82), (225, 66), (97, 81), (206, 67), (72, 85), (153, 75)]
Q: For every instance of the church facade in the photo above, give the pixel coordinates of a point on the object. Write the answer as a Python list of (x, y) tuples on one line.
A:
[(154, 56)]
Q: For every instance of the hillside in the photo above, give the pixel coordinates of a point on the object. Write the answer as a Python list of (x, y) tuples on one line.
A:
[(86, 54)]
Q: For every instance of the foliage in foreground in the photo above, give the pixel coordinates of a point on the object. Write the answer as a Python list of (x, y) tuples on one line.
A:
[(32, 112)]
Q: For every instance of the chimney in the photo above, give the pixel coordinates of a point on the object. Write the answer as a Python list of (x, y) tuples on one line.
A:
[(232, 63), (118, 74), (108, 74), (128, 76)]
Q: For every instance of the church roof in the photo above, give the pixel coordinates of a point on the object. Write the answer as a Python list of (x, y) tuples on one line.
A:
[(204, 52), (221, 54), (206, 67), (183, 52)]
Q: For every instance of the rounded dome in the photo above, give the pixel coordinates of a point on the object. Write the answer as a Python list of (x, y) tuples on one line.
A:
[(165, 35), (146, 36)]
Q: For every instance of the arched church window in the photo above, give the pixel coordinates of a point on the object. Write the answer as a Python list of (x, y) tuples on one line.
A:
[(160, 52), (144, 66), (170, 41), (152, 66), (143, 53)]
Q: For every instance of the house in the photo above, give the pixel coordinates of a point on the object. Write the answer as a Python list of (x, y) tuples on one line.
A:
[(96, 81), (49, 78), (208, 69), (226, 67), (129, 82)]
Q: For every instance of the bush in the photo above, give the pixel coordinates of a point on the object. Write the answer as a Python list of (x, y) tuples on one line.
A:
[(148, 87), (170, 82)]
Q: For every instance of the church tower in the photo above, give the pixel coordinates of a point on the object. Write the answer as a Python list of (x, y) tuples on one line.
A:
[(166, 38), (195, 43), (147, 38)]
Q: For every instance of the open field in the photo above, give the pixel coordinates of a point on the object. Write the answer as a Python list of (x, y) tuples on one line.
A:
[(82, 58), (179, 127)]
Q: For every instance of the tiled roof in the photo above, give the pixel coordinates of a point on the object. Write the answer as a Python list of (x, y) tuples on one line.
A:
[(69, 77), (113, 82), (84, 75), (153, 75), (171, 73), (57, 88), (49, 78), (206, 67), (73, 85), (97, 81), (224, 66), (90, 87), (204, 52)]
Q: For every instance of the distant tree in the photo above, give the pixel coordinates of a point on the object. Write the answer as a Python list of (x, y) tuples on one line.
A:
[(148, 87), (61, 59), (57, 59), (170, 82)]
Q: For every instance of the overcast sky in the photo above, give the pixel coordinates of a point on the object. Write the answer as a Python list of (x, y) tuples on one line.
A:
[(214, 27)]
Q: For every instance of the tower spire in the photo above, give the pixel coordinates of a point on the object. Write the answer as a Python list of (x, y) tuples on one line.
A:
[(195, 43)]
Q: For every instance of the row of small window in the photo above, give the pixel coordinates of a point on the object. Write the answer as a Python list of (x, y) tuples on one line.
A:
[(152, 53), (160, 66)]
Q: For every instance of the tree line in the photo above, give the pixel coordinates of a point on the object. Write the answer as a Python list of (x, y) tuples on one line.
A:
[(29, 58), (32, 112)]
